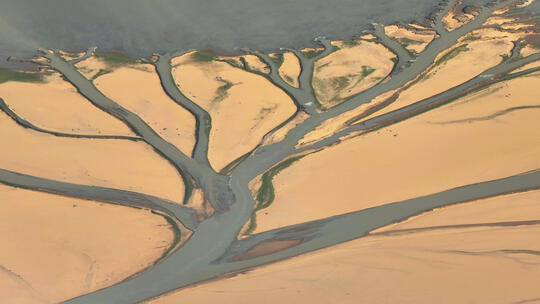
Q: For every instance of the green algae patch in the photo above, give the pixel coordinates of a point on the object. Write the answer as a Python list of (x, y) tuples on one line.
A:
[(266, 194), (116, 59), (452, 54), (203, 56), (12, 75)]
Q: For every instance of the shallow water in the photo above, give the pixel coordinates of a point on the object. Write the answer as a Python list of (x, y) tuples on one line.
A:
[(141, 27)]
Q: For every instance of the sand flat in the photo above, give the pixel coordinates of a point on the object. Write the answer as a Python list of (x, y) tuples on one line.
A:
[(55, 248), (412, 40), (356, 66), (335, 124), (91, 66), (454, 145), (225, 92), (55, 105), (468, 60), (506, 208), (111, 163), (290, 69), (138, 89), (422, 267)]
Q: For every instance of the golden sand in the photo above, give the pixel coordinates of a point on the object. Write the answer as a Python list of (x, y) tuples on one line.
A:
[(111, 163), (353, 68), (453, 145), (529, 50), (415, 41), (454, 20), (139, 90), (55, 248), (55, 105), (507, 208), (244, 106), (290, 69), (91, 66), (452, 68)]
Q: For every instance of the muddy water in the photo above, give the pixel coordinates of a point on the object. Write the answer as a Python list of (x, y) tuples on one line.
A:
[(141, 27)]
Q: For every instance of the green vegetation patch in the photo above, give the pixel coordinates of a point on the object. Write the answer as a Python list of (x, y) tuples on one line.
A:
[(288, 79), (221, 91), (350, 43), (312, 53), (234, 63), (504, 57), (452, 54), (405, 42), (11, 75), (203, 56), (472, 38), (101, 72), (266, 195), (277, 59), (116, 59), (341, 82), (366, 71), (244, 63)]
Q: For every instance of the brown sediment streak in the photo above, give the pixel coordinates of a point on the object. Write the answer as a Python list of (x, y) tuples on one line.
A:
[(266, 248), (102, 194), (26, 124), (22, 281), (445, 227), (305, 227), (488, 117), (504, 251)]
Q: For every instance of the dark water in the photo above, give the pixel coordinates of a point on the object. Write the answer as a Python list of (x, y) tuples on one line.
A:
[(141, 27)]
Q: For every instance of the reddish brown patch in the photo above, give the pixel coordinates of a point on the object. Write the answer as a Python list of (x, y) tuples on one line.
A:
[(265, 248)]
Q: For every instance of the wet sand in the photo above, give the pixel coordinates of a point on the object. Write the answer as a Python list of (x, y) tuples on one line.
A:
[(224, 91), (55, 248), (500, 263), (456, 144)]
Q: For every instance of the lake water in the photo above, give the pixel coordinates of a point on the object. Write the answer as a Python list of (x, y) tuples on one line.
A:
[(141, 27)]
